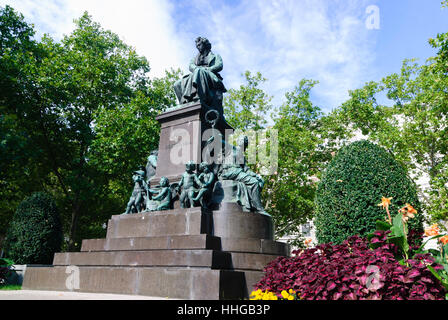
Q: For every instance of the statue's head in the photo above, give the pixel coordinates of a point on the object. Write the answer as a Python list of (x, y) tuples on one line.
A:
[(204, 167), (203, 44), (164, 182), (190, 166), (141, 172)]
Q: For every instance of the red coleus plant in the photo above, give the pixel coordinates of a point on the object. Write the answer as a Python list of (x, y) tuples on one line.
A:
[(351, 271)]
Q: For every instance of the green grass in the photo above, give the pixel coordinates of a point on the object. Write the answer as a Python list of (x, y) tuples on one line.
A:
[(11, 287)]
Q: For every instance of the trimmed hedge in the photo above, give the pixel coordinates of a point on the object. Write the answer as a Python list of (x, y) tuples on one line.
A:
[(351, 188), (35, 233)]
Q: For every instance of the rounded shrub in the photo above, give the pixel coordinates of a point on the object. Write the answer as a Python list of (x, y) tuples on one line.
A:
[(353, 185), (35, 232)]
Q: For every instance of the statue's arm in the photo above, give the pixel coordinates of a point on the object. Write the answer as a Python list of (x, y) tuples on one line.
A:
[(218, 65), (193, 65), (161, 195), (210, 180), (180, 184)]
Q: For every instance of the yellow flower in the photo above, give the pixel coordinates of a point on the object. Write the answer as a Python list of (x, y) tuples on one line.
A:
[(291, 298), (285, 294), (256, 295), (385, 202), (291, 291)]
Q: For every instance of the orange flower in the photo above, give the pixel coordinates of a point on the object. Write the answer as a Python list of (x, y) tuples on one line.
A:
[(410, 209), (385, 202), (307, 242), (433, 230), (408, 212), (444, 239)]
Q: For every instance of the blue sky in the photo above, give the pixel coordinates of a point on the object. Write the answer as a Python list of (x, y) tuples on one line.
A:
[(286, 40)]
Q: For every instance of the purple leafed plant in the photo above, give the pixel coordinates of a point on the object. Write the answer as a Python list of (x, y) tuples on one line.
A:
[(352, 271)]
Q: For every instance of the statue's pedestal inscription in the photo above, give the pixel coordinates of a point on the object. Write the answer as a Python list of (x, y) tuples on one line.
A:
[(180, 253)]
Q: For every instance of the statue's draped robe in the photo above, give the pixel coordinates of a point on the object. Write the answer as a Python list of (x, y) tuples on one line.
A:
[(203, 81), (249, 187)]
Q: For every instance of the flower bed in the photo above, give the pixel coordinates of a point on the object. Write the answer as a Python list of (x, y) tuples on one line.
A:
[(385, 265)]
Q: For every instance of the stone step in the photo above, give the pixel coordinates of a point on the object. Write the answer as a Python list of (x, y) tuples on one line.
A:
[(250, 261), (249, 245), (231, 223), (183, 283), (202, 241), (158, 223), (167, 258), (162, 258)]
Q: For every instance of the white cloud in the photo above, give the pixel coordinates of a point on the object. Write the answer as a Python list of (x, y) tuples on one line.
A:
[(145, 25), (285, 40), (289, 40)]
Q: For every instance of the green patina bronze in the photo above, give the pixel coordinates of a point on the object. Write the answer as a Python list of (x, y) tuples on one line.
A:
[(206, 181), (204, 83), (163, 197)]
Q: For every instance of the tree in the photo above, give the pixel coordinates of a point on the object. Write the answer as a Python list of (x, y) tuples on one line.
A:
[(126, 135), (306, 141), (21, 171), (35, 232), (353, 184), (247, 108), (412, 125), (59, 110)]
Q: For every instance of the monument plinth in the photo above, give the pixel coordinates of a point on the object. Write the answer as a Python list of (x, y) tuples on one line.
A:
[(180, 253), (193, 228), (181, 134)]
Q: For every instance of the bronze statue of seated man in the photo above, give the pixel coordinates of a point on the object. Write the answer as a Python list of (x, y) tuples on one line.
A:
[(204, 83)]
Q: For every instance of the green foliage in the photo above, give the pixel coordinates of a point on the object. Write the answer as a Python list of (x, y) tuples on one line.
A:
[(412, 123), (306, 139), (247, 107), (18, 52), (35, 233), (11, 287), (5, 271), (77, 115), (352, 186), (301, 155)]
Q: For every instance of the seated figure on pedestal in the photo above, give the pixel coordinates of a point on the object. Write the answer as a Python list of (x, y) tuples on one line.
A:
[(162, 197), (204, 83)]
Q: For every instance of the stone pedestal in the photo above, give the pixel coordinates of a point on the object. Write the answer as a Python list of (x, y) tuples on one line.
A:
[(181, 138), (181, 253)]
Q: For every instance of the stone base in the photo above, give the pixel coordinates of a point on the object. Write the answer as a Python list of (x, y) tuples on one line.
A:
[(183, 283), (181, 253)]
